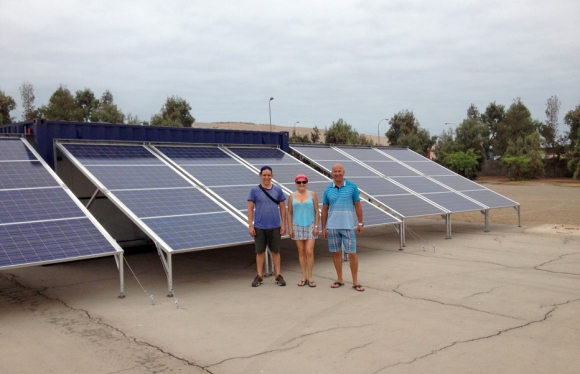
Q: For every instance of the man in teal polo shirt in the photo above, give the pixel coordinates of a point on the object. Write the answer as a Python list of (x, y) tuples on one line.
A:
[(341, 200)]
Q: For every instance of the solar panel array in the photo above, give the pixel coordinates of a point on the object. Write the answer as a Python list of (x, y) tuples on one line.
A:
[(167, 206), (40, 220), (285, 168), (404, 181)]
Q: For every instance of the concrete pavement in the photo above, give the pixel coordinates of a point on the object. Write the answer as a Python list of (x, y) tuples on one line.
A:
[(506, 301)]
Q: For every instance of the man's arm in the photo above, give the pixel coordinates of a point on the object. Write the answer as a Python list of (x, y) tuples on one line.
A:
[(323, 218), (251, 230), (359, 215), (283, 216)]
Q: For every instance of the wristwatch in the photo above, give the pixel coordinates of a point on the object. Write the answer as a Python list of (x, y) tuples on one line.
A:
[(361, 224)]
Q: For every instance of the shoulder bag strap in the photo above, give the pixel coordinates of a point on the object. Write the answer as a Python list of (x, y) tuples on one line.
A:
[(267, 194)]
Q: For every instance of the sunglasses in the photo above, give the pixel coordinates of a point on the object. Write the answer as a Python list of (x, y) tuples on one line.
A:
[(301, 182)]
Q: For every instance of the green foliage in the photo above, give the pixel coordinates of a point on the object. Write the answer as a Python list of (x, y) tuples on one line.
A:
[(494, 114), (517, 123), (574, 158), (419, 141), (342, 133), (524, 157), (7, 104), (62, 106), (106, 111), (175, 112), (572, 119), (295, 138), (473, 134), (463, 163), (315, 135), (86, 100), (133, 120), (402, 123)]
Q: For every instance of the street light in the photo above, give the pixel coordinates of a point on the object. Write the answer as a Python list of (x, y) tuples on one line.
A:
[(295, 126), (378, 132), (449, 123), (270, 111)]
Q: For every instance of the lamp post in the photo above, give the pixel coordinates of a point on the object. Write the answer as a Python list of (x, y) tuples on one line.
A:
[(270, 111), (295, 126), (378, 132)]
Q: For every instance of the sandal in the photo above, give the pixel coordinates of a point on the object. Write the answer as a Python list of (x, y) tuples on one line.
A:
[(302, 283), (311, 284), (337, 284), (359, 288)]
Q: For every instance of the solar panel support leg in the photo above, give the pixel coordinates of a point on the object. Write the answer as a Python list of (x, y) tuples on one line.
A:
[(92, 199), (519, 217), (167, 264), (343, 254), (401, 236), (119, 260), (486, 215), (269, 263), (447, 218)]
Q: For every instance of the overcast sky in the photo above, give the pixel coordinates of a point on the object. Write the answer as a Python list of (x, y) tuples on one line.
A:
[(321, 60)]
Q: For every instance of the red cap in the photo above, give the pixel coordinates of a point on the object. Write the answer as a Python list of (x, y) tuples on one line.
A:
[(301, 176)]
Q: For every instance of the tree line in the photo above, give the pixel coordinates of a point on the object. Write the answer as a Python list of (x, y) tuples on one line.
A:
[(84, 106)]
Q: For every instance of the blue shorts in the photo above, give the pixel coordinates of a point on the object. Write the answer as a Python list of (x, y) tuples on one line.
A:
[(339, 237)]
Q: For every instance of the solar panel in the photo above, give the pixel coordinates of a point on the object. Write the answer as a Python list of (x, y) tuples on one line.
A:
[(453, 202), (402, 154), (196, 155), (429, 168), (378, 186), (39, 220), (409, 206), (165, 204), (459, 183), (223, 175), (420, 184), (490, 198), (391, 168)]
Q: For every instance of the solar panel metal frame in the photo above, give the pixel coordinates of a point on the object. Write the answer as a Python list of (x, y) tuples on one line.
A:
[(117, 250), (139, 221)]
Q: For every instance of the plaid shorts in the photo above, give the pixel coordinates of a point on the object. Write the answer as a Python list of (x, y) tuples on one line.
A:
[(339, 237), (303, 232)]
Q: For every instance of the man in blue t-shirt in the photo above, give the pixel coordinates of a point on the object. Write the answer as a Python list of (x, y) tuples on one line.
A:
[(267, 222), (341, 200)]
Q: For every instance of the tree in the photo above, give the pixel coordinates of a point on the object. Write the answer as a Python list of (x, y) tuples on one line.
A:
[(493, 116), (549, 131), (406, 130), (86, 100), (315, 135), (517, 123), (27, 96), (340, 132), (473, 112), (524, 157), (175, 112), (572, 119), (7, 104), (295, 138), (133, 120), (106, 111), (473, 134), (402, 123), (574, 158), (61, 106)]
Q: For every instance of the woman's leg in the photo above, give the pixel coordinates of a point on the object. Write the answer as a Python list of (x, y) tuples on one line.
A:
[(309, 249), (301, 245)]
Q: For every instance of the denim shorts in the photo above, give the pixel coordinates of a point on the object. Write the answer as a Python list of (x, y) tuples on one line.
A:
[(339, 237)]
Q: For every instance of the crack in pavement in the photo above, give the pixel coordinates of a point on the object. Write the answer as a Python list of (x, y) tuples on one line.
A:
[(98, 321), (480, 293), (326, 330), (556, 259), (435, 351), (359, 347), (254, 355)]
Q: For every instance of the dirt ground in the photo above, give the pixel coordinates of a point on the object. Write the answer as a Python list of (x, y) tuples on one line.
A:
[(543, 201)]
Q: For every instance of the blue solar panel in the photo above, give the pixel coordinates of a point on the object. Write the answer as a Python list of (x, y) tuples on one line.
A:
[(236, 196), (14, 149), (459, 183), (224, 175), (403, 154), (429, 168), (363, 154), (410, 205), (288, 173), (138, 176), (391, 168), (320, 153), (453, 202), (490, 198), (351, 168), (166, 202), (200, 231), (25, 174), (112, 154), (36, 204), (378, 186), (420, 184), (263, 156), (37, 242), (197, 155)]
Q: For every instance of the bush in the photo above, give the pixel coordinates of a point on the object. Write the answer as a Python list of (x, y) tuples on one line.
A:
[(463, 163)]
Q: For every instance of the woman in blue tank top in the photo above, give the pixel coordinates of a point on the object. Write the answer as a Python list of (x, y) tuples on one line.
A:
[(303, 219)]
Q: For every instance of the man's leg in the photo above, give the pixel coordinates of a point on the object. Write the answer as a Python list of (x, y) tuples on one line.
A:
[(336, 258), (276, 259), (353, 259), (260, 263)]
